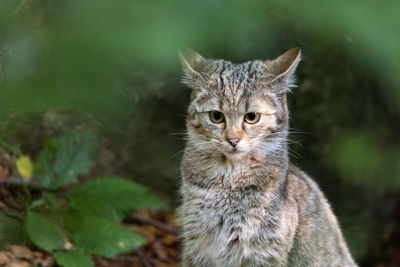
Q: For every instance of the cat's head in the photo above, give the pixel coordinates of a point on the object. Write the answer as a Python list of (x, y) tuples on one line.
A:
[(239, 109)]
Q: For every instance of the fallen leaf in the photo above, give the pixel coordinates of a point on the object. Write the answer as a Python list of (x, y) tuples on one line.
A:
[(159, 263), (4, 170), (4, 258), (173, 253), (170, 240), (160, 251), (25, 166), (17, 263), (21, 252), (147, 232)]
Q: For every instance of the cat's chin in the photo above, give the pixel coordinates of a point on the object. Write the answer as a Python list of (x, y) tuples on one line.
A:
[(235, 154)]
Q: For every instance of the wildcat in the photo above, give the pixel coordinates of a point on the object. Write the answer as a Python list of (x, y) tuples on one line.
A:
[(243, 202)]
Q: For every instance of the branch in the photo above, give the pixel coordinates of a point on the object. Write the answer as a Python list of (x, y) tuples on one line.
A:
[(139, 220), (143, 259), (12, 180), (32, 183)]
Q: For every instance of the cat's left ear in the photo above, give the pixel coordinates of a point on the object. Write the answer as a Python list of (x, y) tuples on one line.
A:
[(282, 68)]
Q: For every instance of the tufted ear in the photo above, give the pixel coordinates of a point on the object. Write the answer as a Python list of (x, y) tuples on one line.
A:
[(192, 64), (282, 68)]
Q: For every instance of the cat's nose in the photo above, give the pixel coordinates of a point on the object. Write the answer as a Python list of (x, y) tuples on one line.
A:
[(234, 141)]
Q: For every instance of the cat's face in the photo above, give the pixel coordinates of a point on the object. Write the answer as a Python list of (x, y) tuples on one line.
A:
[(238, 110)]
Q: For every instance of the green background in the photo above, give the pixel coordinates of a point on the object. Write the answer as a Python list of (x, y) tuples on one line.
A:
[(112, 67)]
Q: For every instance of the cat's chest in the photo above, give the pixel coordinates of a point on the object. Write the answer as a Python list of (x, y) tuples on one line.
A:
[(227, 226)]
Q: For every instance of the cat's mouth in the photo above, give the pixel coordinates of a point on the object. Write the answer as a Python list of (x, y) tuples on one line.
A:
[(235, 152)]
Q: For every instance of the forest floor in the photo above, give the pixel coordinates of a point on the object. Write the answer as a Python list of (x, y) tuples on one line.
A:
[(163, 246), (162, 249)]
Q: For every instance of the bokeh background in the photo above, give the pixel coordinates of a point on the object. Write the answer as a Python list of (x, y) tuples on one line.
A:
[(112, 67)]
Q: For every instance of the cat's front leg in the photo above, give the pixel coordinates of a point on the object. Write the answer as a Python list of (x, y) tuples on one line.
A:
[(186, 263)]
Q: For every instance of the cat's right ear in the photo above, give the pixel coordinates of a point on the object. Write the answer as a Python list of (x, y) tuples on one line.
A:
[(192, 64)]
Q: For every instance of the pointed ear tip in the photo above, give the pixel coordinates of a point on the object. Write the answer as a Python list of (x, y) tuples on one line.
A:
[(187, 52), (184, 49), (183, 52), (295, 50), (186, 56)]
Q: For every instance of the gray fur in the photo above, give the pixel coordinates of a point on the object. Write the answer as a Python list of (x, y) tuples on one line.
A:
[(248, 205)]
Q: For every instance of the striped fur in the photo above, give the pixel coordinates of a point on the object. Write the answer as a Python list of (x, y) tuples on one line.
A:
[(247, 205)]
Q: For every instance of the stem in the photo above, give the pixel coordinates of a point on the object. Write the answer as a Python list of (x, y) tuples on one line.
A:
[(145, 261), (31, 183), (28, 193), (20, 181)]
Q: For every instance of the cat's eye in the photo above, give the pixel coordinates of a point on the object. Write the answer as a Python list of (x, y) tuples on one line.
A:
[(216, 116), (252, 117)]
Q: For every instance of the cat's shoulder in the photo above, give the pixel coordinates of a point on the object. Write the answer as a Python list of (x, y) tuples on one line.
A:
[(301, 186)]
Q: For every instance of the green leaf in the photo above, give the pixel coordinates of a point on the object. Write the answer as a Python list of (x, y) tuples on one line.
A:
[(15, 149), (44, 163), (11, 231), (105, 237), (37, 203), (64, 158), (43, 233), (52, 202), (73, 259), (114, 198), (55, 211)]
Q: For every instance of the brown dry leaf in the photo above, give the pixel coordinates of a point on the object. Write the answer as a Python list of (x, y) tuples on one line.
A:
[(100, 262), (38, 254), (147, 232), (162, 248), (21, 252), (159, 232), (4, 170), (171, 218), (173, 253), (45, 261), (160, 251), (4, 259), (3, 206), (159, 263), (136, 262), (19, 256), (144, 214), (170, 240), (17, 263)]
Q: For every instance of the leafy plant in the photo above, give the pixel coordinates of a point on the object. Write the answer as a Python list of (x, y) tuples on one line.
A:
[(76, 223)]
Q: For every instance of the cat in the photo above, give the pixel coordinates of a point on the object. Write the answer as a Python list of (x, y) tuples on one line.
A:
[(243, 202)]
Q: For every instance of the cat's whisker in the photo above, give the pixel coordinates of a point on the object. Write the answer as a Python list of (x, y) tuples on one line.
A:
[(293, 153), (296, 129), (177, 153), (185, 133), (291, 142)]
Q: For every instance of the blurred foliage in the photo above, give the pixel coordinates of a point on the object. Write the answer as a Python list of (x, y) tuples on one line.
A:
[(112, 66), (64, 158), (61, 221)]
